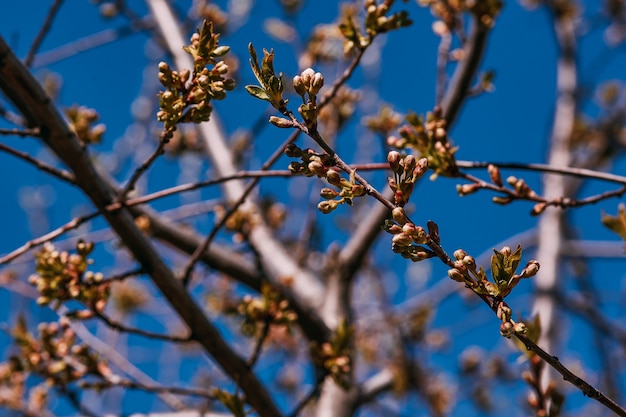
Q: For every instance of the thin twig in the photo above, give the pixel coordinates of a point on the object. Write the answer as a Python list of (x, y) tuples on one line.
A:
[(194, 186), (560, 201), (72, 224), (571, 377), (26, 94), (442, 64), (314, 391), (207, 242), (256, 353), (45, 28), (21, 132), (121, 276), (59, 173), (160, 150), (102, 385), (462, 78), (74, 399), (563, 170), (78, 221), (347, 73), (127, 329), (88, 42)]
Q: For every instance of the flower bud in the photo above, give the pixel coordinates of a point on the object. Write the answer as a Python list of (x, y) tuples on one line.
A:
[(298, 85), (538, 209), (317, 82), (293, 151), (333, 177), (420, 168), (393, 158), (328, 193), (494, 174), (456, 275), (327, 206), (358, 190), (399, 215), (459, 254), (401, 239), (281, 122), (469, 262), (467, 189), (507, 329), (531, 269), (520, 328), (221, 50)]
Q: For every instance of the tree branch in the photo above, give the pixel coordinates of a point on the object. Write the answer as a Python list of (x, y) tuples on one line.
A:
[(28, 96), (464, 74)]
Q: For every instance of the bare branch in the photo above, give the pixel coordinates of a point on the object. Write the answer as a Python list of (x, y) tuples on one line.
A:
[(140, 332), (466, 70), (20, 132), (59, 173), (122, 383), (45, 28)]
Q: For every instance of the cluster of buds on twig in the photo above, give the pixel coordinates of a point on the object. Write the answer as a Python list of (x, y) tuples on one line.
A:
[(430, 139), (335, 355), (406, 171), (386, 121), (504, 264), (307, 85), (270, 309), (348, 191), (271, 88), (508, 327), (13, 387), (322, 166), (409, 239), (377, 20), (450, 11), (55, 355), (81, 120), (188, 96), (61, 276), (313, 163)]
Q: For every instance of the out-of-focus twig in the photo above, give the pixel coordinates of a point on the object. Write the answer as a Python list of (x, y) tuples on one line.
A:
[(45, 28)]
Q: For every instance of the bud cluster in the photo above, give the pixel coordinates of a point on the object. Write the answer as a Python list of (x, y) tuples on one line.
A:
[(81, 120), (407, 237), (504, 264), (335, 355), (307, 85), (270, 308), (508, 327), (377, 21), (450, 12), (430, 139), (55, 355), (61, 276), (519, 190), (407, 170), (322, 166), (187, 98)]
